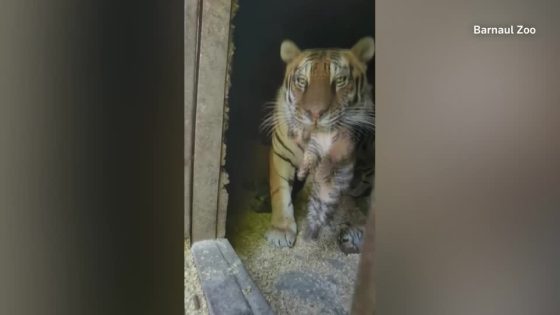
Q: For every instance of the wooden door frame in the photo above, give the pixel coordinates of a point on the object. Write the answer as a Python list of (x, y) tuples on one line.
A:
[(206, 48)]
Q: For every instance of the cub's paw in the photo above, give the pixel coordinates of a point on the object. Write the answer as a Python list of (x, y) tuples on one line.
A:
[(302, 174), (350, 239), (282, 237)]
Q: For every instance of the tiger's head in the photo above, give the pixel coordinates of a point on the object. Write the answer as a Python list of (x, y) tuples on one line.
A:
[(322, 85)]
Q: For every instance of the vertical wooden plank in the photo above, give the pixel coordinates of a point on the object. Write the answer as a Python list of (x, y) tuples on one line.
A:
[(192, 14), (223, 195), (212, 67)]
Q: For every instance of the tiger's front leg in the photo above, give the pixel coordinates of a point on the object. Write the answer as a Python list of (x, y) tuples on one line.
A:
[(283, 228)]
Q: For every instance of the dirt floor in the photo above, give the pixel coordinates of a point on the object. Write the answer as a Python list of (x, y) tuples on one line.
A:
[(195, 303), (313, 277)]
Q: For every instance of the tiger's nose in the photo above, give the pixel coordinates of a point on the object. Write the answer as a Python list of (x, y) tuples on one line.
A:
[(315, 114)]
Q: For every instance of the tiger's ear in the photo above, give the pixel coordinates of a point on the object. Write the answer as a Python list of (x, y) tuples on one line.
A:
[(364, 49), (288, 50)]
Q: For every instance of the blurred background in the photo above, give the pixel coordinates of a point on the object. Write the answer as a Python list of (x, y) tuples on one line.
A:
[(91, 157)]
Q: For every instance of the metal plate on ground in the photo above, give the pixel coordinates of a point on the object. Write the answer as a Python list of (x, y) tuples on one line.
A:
[(227, 286)]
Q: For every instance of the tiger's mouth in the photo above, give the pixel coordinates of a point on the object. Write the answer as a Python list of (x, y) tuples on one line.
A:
[(327, 120), (319, 126)]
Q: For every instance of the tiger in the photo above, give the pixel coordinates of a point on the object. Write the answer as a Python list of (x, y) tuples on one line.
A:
[(322, 127)]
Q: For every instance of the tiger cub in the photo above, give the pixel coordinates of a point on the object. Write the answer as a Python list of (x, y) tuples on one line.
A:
[(321, 125), (318, 146)]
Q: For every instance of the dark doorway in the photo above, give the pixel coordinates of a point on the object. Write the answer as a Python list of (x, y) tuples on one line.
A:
[(257, 71)]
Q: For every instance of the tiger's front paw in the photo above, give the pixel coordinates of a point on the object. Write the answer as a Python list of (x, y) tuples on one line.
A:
[(282, 237)]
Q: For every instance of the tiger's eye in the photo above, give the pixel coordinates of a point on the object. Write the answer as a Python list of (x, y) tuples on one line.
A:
[(341, 80), (301, 81)]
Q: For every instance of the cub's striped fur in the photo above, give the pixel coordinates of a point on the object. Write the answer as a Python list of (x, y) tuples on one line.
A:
[(322, 124)]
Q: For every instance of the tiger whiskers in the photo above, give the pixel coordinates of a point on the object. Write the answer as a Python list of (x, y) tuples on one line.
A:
[(273, 118)]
